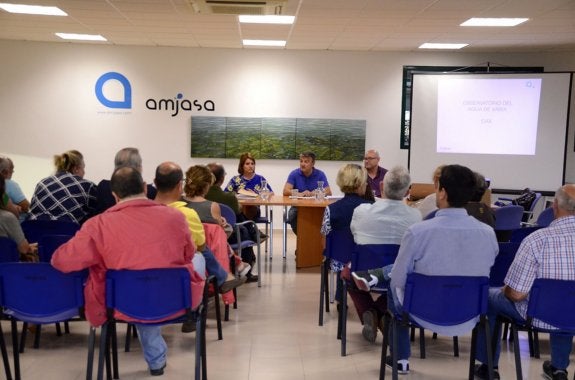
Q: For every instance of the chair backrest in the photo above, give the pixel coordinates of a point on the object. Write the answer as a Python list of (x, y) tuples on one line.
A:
[(370, 256), (228, 214), (35, 229), (508, 217), (519, 234), (551, 301), (445, 300), (502, 263), (339, 245), (431, 215), (149, 294), (48, 244), (8, 250), (546, 217), (38, 293)]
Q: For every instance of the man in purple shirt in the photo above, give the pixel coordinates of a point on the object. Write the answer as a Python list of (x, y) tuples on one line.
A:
[(305, 179), (375, 173)]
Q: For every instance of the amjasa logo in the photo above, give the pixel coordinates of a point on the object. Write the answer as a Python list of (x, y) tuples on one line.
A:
[(125, 99)]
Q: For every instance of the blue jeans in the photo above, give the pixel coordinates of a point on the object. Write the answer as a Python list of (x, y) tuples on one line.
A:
[(498, 304), (153, 345), (292, 219), (213, 266), (403, 343)]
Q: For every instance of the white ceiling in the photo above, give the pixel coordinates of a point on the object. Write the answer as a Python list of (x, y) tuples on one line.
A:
[(360, 25)]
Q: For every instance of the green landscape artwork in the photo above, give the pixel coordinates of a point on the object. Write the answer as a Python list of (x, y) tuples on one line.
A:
[(277, 138)]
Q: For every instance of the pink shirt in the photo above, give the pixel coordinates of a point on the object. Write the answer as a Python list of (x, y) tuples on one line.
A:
[(134, 234)]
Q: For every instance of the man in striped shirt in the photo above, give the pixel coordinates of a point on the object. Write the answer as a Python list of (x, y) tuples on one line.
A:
[(546, 253)]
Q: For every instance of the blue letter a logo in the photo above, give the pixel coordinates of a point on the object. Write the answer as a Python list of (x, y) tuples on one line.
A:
[(126, 103)]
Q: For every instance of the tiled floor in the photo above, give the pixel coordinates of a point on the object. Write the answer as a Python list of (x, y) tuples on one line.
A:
[(273, 335)]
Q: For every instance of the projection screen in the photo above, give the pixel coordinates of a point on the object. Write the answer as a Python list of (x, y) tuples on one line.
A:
[(512, 128)]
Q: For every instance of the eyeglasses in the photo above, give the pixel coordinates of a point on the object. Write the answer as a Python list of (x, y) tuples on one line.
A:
[(369, 158)]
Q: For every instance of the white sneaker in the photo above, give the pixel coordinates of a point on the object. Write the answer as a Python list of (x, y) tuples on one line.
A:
[(364, 281), (402, 365), (243, 269)]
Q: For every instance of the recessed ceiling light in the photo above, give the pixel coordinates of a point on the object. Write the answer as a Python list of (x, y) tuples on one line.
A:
[(428, 45), (279, 43), (269, 19), (477, 21), (81, 37), (33, 9)]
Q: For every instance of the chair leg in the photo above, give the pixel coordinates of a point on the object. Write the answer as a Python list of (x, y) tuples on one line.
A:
[(218, 314), (394, 354), (15, 350), (127, 343), (5, 355), (66, 328), (455, 347), (102, 351), (91, 347), (114, 342), (37, 336), (23, 337), (58, 329), (536, 344), (421, 343), (323, 292), (384, 345), (517, 353), (343, 318)]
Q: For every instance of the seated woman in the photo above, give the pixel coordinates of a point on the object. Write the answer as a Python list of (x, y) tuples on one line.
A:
[(65, 195), (352, 181), (248, 182), (10, 227), (197, 183)]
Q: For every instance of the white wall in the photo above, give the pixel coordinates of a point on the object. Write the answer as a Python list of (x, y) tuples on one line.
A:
[(48, 105)]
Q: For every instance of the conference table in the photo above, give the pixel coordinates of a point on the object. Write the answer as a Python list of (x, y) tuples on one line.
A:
[(310, 216)]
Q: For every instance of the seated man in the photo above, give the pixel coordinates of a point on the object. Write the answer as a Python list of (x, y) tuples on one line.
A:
[(383, 222), (546, 253), (169, 185), (375, 173), (136, 233), (13, 190), (10, 228), (305, 179), (124, 157), (452, 243)]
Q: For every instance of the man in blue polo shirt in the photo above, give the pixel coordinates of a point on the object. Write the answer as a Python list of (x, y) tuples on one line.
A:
[(305, 179)]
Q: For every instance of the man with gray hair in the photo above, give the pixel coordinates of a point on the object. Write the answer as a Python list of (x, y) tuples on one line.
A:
[(546, 253), (383, 222), (126, 157)]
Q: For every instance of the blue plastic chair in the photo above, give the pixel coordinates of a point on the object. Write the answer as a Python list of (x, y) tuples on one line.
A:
[(503, 260), (440, 300), (230, 217), (149, 295), (547, 304), (365, 257), (339, 246), (39, 294), (48, 244), (431, 215), (35, 229), (507, 219), (8, 250), (546, 217)]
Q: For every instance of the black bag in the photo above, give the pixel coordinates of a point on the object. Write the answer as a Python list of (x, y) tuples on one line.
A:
[(525, 199)]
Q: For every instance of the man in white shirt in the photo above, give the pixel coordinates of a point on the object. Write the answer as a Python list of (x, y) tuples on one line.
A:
[(383, 222)]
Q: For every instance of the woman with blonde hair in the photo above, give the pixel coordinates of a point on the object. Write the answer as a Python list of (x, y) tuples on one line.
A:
[(65, 195), (352, 181)]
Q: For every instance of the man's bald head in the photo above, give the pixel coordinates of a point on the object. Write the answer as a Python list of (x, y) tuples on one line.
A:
[(168, 176)]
